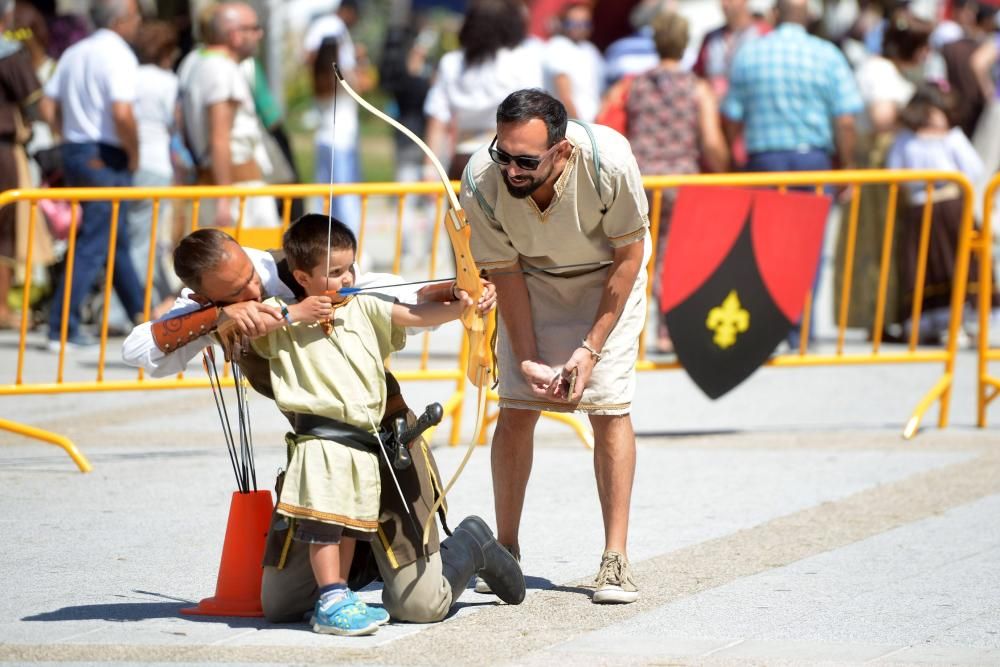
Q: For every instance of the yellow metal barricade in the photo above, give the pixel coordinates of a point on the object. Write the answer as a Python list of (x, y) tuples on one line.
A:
[(851, 182), (452, 369), (987, 386)]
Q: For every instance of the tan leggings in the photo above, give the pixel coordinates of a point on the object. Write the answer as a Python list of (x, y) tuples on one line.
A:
[(416, 593)]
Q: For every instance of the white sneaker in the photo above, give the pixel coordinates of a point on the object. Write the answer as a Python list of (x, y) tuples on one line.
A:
[(80, 341), (964, 341), (614, 581)]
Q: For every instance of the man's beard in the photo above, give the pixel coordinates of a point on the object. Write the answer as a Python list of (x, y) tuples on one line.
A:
[(529, 187)]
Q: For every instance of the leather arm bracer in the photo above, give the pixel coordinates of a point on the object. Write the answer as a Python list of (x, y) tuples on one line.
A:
[(176, 332)]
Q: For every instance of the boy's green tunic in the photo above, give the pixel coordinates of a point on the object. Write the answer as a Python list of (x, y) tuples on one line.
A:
[(340, 376)]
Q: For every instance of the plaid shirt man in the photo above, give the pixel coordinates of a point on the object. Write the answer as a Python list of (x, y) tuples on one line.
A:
[(787, 88)]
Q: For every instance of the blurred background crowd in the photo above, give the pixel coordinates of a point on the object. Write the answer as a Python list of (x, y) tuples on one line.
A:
[(244, 93)]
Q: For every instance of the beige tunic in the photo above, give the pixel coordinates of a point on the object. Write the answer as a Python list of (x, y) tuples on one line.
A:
[(578, 226), (340, 376)]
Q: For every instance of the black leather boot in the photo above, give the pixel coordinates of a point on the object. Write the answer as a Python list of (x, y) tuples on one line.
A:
[(472, 542), (458, 564)]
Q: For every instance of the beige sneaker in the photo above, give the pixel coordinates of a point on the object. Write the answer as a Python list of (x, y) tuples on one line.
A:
[(614, 581), (482, 586)]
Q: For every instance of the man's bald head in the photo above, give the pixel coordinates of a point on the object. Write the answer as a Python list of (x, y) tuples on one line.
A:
[(793, 11), (234, 26), (225, 17)]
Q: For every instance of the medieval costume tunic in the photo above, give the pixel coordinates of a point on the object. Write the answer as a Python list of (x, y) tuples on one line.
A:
[(163, 354), (341, 377), (583, 223)]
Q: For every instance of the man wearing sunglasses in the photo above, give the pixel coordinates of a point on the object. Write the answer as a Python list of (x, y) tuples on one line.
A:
[(539, 198)]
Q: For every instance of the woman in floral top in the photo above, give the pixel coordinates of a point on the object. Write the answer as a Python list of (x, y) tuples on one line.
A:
[(673, 124)]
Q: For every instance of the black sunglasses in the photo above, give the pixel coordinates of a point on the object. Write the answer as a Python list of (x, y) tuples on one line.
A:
[(526, 162)]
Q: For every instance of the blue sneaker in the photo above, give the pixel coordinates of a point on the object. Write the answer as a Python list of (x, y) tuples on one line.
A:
[(377, 614), (343, 615)]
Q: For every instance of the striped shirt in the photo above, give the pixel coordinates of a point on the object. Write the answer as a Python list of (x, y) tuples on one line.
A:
[(787, 88)]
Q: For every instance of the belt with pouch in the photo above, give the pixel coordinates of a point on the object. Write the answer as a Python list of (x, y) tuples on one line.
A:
[(338, 431)]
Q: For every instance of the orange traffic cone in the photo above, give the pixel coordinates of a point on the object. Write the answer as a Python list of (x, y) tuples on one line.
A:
[(237, 589)]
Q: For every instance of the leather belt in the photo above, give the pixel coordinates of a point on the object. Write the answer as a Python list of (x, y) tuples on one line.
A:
[(331, 429)]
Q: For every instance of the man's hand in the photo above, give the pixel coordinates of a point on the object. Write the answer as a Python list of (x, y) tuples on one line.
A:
[(583, 364), (123, 117), (251, 318), (547, 382), (540, 376), (312, 309)]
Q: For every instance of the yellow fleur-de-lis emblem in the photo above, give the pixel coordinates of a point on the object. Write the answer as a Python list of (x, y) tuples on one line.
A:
[(728, 321)]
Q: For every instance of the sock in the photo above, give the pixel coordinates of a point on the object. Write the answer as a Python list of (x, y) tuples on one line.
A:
[(332, 592)]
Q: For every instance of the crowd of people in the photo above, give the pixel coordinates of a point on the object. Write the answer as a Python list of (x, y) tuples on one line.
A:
[(783, 90), (121, 108), (776, 90)]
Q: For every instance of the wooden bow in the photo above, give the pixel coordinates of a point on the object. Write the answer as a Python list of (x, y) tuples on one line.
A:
[(480, 359)]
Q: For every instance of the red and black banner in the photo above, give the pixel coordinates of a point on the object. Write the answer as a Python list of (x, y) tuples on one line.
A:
[(736, 272)]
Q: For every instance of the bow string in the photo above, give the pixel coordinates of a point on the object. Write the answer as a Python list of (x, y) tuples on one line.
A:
[(480, 357)]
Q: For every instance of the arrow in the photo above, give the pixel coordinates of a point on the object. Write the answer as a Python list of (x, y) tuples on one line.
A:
[(346, 291)]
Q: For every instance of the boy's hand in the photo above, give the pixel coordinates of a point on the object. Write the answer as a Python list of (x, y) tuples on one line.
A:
[(487, 301), (463, 297), (312, 309)]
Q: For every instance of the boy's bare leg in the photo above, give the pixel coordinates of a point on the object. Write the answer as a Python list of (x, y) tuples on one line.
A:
[(347, 545), (326, 566), (614, 467), (511, 458)]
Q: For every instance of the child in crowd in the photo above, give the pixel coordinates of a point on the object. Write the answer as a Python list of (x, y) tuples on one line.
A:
[(335, 385), (927, 141)]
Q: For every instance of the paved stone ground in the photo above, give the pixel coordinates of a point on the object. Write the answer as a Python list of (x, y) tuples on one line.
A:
[(787, 523)]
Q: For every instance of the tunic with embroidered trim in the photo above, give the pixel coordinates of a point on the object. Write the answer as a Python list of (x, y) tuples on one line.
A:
[(579, 225), (340, 376)]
